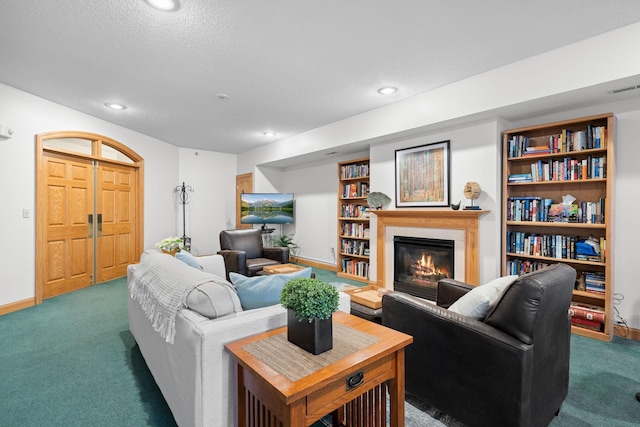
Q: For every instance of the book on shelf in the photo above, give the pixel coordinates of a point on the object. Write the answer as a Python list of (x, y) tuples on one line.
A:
[(520, 177), (567, 169), (595, 282), (536, 151), (354, 211), (355, 267), (360, 170), (588, 324), (557, 246), (587, 311), (355, 190), (592, 137), (534, 208)]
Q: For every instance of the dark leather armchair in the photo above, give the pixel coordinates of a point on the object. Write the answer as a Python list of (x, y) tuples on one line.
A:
[(512, 369), (243, 252)]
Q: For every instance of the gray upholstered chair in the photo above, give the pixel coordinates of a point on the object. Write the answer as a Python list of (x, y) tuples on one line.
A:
[(510, 368), (244, 253)]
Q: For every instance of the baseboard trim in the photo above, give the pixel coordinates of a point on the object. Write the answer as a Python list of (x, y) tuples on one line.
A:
[(317, 264), (632, 334), (17, 306)]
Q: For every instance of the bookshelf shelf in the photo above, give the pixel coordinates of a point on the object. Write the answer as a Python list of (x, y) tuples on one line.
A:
[(554, 260), (354, 237), (572, 157), (555, 183), (353, 220), (563, 225)]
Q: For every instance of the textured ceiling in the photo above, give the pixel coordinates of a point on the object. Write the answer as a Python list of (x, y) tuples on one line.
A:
[(287, 66)]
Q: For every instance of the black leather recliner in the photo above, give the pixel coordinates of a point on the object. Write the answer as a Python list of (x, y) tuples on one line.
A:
[(512, 369), (243, 252)]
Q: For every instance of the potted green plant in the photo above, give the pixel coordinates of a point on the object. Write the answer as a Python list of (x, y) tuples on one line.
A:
[(286, 241), (310, 304), (171, 245)]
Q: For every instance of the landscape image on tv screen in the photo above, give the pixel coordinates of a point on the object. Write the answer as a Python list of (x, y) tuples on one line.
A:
[(266, 208)]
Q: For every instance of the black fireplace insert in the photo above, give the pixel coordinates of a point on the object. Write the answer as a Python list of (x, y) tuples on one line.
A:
[(419, 263)]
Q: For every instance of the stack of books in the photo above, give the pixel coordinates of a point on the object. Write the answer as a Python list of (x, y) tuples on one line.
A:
[(536, 151), (519, 177), (587, 316), (595, 282)]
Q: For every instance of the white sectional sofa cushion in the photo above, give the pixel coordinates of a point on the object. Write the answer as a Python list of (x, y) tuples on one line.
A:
[(195, 373)]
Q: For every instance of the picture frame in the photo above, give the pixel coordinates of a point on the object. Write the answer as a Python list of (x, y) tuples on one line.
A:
[(423, 175)]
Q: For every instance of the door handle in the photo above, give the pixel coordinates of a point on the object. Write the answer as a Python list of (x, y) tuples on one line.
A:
[(99, 225), (90, 225)]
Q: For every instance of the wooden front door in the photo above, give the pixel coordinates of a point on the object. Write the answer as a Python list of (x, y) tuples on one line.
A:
[(68, 249), (116, 195), (89, 211), (244, 184)]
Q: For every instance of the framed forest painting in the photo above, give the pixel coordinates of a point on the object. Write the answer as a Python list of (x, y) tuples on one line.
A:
[(423, 175)]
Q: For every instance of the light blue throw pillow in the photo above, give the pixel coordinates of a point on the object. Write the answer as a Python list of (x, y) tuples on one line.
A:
[(263, 291), (188, 259)]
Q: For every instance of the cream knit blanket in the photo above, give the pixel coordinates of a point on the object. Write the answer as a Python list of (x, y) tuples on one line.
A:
[(161, 283)]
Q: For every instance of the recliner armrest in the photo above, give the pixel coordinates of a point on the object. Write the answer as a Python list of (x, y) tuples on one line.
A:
[(234, 261), (449, 291), (402, 311), (277, 254), (457, 352)]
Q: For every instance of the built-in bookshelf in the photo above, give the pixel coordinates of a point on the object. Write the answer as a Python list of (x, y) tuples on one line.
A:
[(353, 220), (557, 197)]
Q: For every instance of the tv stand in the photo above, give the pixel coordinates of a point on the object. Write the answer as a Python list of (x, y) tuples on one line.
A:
[(265, 230)]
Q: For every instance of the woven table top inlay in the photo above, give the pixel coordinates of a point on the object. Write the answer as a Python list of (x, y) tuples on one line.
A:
[(294, 363)]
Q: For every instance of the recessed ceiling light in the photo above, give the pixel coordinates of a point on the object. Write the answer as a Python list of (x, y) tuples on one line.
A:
[(389, 90), (269, 134), (166, 5), (115, 106)]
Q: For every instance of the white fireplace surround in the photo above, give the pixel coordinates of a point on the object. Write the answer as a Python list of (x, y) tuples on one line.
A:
[(431, 233)]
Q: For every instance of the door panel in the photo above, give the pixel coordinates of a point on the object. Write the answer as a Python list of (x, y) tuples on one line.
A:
[(116, 202), (244, 184), (69, 251)]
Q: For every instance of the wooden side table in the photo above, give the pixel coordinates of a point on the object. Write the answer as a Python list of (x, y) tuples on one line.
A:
[(352, 388)]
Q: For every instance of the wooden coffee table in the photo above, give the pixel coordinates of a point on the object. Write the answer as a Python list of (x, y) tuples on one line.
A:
[(351, 388)]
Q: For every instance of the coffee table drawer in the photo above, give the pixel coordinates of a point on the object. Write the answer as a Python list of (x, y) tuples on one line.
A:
[(335, 394)]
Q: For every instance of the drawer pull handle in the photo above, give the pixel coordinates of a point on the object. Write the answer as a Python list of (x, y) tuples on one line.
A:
[(355, 380)]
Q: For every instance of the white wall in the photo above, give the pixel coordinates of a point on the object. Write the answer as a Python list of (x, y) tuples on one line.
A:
[(211, 206), (29, 115), (316, 190), (475, 156)]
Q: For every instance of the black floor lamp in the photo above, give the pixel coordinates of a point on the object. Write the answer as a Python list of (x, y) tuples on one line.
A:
[(184, 191)]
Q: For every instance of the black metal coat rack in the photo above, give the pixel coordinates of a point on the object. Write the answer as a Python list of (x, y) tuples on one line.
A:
[(183, 199)]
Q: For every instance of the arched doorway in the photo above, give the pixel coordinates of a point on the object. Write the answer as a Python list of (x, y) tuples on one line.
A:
[(89, 211)]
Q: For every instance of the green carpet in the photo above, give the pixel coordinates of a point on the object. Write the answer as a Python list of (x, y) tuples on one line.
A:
[(71, 361)]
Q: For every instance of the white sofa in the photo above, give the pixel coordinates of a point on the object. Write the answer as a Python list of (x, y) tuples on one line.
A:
[(195, 373)]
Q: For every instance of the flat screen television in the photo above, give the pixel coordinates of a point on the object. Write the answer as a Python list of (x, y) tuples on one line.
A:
[(266, 208)]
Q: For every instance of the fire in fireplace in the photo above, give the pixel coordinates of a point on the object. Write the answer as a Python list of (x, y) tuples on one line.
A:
[(419, 263)]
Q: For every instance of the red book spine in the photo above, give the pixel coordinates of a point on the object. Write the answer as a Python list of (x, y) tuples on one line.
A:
[(583, 313)]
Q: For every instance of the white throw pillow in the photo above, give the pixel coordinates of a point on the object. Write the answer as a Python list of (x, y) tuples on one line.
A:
[(477, 302), (214, 299)]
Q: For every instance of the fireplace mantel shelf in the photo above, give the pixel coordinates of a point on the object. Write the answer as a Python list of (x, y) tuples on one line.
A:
[(413, 213), (444, 218)]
